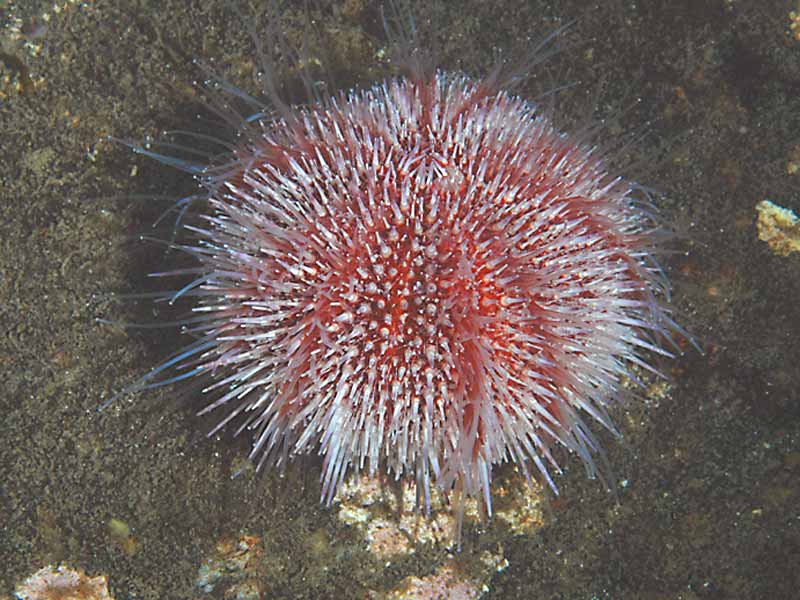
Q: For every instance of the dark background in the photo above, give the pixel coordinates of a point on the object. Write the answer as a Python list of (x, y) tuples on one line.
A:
[(709, 507)]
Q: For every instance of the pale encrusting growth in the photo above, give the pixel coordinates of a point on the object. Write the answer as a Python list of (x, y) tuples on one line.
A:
[(425, 276)]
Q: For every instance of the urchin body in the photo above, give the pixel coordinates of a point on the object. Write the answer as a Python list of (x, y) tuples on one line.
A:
[(425, 276)]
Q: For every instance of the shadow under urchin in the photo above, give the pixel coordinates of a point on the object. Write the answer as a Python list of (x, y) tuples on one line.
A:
[(424, 277)]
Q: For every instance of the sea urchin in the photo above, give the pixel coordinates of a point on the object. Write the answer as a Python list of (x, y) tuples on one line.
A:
[(425, 276)]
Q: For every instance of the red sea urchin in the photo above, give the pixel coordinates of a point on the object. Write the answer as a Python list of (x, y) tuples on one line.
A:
[(425, 276)]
